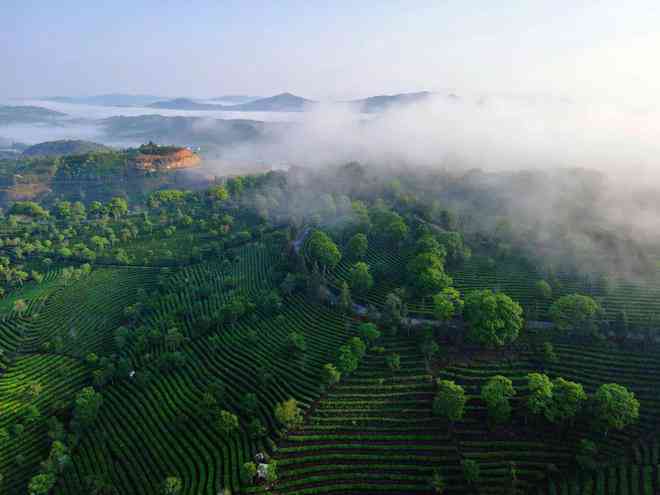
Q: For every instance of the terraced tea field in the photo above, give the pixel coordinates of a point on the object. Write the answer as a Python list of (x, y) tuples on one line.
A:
[(60, 378), (371, 433), (163, 416), (640, 299)]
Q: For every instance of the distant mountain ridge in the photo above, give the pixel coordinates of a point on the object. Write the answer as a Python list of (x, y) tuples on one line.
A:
[(23, 114), (235, 99), (184, 104), (288, 102), (284, 102), (383, 102), (184, 131), (108, 100)]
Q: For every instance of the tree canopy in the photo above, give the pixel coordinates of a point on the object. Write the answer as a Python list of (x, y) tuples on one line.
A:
[(289, 414), (493, 319), (496, 393), (447, 304), (357, 246), (615, 406), (576, 313), (360, 278), (449, 401), (323, 250)]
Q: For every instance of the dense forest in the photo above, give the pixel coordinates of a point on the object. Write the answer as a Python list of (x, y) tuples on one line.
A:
[(357, 329)]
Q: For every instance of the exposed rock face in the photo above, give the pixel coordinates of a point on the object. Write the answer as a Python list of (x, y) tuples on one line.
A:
[(180, 159)]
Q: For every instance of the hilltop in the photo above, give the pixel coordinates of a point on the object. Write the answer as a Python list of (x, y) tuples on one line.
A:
[(154, 158), (383, 102), (235, 99), (284, 102), (108, 100), (64, 147), (183, 131), (34, 176), (184, 104), (26, 114)]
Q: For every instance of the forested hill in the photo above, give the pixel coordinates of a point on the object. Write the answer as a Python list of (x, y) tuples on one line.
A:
[(26, 114), (64, 147), (30, 177)]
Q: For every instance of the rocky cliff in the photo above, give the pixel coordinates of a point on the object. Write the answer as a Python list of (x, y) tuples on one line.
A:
[(175, 160)]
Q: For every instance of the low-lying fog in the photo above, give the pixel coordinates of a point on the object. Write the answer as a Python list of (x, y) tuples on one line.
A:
[(502, 133), (81, 121)]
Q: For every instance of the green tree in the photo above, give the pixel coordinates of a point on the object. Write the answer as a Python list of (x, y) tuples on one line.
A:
[(78, 210), (347, 362), (358, 347), (429, 348), (41, 484), (512, 478), (393, 312), (457, 251), (323, 250), (118, 207), (172, 486), (208, 405), (426, 273), (447, 304), (99, 243), (59, 458), (86, 406), (540, 397), (471, 471), (493, 319), (615, 407), (248, 473), (360, 278), (227, 423), (568, 398), (330, 375), (235, 186), (31, 415), (393, 362), (543, 290), (449, 401), (289, 414), (577, 314), (97, 209), (369, 332), (548, 355), (345, 302), (20, 306), (218, 193), (296, 342), (497, 393), (357, 246), (271, 472), (395, 230), (437, 482), (63, 209)]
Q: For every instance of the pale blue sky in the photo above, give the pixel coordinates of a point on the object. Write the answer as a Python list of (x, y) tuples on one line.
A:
[(603, 49)]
